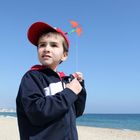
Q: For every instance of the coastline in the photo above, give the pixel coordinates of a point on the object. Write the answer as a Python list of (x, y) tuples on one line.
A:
[(9, 131), (95, 133)]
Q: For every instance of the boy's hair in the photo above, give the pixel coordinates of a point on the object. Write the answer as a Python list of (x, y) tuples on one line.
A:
[(65, 44)]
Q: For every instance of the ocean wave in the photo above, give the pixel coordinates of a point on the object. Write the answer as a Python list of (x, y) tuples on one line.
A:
[(11, 117), (127, 129)]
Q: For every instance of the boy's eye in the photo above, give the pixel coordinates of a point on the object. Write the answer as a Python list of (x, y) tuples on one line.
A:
[(41, 45), (54, 45)]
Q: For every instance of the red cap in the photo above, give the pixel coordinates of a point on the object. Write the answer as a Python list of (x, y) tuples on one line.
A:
[(37, 28)]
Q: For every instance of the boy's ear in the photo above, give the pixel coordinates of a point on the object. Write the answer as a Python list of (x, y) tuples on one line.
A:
[(65, 56)]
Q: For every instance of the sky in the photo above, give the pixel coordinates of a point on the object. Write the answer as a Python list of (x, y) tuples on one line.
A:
[(107, 52)]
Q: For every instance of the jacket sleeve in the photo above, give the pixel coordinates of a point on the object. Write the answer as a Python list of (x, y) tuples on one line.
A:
[(81, 101), (42, 109)]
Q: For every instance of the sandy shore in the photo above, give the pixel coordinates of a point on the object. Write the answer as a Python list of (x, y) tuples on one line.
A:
[(94, 133), (9, 131)]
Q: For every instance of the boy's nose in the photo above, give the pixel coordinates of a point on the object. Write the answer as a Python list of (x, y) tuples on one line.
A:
[(47, 48)]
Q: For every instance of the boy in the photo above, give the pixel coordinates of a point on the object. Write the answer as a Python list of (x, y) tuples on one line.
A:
[(48, 102)]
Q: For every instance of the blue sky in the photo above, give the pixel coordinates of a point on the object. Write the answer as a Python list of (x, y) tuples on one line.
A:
[(108, 51)]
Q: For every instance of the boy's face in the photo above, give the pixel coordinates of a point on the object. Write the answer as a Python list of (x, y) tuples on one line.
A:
[(50, 50)]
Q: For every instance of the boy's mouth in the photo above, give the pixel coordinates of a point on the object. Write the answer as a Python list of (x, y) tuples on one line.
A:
[(46, 56)]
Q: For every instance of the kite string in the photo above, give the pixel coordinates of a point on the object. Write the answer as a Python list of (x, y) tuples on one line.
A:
[(76, 53)]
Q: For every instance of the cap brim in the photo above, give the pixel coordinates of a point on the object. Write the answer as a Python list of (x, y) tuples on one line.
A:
[(36, 29)]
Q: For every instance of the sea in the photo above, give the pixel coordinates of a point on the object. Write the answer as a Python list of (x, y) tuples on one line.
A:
[(115, 121)]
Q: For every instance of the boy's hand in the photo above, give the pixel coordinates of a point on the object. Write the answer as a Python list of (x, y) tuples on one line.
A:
[(75, 86), (78, 76)]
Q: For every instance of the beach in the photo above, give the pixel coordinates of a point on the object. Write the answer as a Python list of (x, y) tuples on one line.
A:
[(9, 131)]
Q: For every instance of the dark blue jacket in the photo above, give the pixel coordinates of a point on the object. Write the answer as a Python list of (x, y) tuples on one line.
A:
[(46, 110)]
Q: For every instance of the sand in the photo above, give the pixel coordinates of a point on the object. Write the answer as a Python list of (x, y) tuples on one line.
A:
[(94, 133), (9, 131)]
